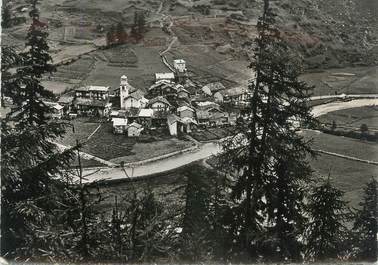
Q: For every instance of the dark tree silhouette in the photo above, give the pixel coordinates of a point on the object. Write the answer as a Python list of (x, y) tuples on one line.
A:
[(268, 153), (365, 225), (326, 231), (6, 17)]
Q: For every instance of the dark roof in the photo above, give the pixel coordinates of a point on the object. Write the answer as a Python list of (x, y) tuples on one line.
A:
[(134, 112), (159, 99), (163, 84), (91, 102), (138, 94)]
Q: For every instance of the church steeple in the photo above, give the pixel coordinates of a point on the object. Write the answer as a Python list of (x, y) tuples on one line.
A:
[(124, 90)]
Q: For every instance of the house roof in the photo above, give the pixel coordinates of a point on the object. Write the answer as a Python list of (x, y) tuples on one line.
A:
[(182, 89), (131, 112), (54, 105), (136, 125), (182, 108), (188, 120), (214, 87), (146, 113), (138, 94), (159, 99), (91, 102), (119, 121), (163, 83), (93, 88), (167, 76)]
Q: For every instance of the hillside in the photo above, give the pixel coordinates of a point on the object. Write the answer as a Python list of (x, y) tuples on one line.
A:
[(327, 34)]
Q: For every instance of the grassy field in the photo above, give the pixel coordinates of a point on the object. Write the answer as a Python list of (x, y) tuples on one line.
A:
[(363, 81), (354, 117), (106, 145), (142, 76), (342, 145), (82, 129)]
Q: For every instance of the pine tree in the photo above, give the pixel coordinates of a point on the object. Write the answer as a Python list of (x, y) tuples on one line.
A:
[(326, 230), (33, 190), (6, 18), (365, 224), (196, 237), (268, 154)]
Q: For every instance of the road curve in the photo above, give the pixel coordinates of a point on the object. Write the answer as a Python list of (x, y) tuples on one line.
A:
[(204, 151)]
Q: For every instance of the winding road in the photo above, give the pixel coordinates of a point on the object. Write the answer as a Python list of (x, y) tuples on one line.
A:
[(204, 150)]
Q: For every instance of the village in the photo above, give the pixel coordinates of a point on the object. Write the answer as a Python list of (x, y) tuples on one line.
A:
[(173, 105)]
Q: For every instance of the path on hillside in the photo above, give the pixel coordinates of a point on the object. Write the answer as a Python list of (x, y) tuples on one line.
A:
[(207, 150)]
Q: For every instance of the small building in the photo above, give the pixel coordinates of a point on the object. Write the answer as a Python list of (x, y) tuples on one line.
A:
[(93, 92), (163, 88), (56, 110), (67, 103), (92, 101), (145, 117), (165, 76), (182, 92), (179, 65), (134, 129), (159, 104), (173, 123), (92, 107), (237, 95), (119, 125), (186, 112)]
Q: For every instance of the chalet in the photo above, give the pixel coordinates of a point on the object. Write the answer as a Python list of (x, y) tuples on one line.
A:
[(119, 125), (163, 88), (56, 110), (134, 129), (145, 117), (237, 95), (217, 117), (92, 100), (179, 65), (211, 117), (66, 102), (182, 92), (93, 92), (159, 104), (177, 124), (191, 87), (186, 112), (92, 107), (212, 88)]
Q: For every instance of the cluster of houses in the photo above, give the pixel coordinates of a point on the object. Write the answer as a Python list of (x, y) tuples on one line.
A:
[(173, 102)]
